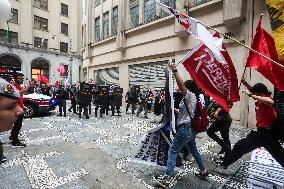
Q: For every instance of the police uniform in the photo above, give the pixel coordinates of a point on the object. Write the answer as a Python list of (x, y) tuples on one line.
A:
[(6, 90)]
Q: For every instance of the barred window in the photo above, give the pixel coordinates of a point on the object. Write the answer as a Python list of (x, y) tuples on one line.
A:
[(40, 43), (64, 9), (40, 23), (97, 29), (149, 11), (14, 18), (64, 29), (8, 36), (170, 3), (105, 25), (199, 2), (42, 4), (63, 47), (114, 20), (134, 13)]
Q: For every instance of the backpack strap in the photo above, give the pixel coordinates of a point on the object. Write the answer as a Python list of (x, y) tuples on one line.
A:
[(187, 108)]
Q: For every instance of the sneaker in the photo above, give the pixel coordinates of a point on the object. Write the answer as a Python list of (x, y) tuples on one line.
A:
[(218, 163), (18, 144), (4, 159), (202, 175), (163, 180), (87, 117)]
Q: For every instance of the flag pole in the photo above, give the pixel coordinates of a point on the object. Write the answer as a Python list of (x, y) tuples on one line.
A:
[(263, 56)]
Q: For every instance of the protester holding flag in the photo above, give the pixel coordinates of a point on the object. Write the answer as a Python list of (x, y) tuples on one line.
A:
[(265, 135), (185, 135)]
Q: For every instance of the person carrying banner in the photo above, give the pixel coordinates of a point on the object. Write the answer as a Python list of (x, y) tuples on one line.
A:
[(185, 135), (221, 123), (265, 135)]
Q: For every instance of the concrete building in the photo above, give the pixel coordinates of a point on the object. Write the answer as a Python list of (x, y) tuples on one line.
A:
[(41, 35), (130, 41)]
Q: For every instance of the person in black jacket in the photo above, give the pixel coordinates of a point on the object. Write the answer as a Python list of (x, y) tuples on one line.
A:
[(62, 95)]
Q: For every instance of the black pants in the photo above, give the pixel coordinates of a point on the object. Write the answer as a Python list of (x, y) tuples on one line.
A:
[(1, 152), (73, 106), (133, 105), (223, 126), (113, 107), (84, 107), (16, 129), (62, 106), (261, 138)]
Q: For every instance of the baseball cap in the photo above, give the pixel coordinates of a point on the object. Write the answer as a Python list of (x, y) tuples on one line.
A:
[(7, 90)]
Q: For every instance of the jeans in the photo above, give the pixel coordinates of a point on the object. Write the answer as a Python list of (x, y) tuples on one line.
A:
[(185, 136)]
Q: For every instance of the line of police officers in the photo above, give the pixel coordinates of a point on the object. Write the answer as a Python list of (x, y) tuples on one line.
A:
[(104, 98)]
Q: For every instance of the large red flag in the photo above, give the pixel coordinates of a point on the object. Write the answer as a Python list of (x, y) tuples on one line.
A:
[(264, 43), (218, 80), (42, 78), (61, 69)]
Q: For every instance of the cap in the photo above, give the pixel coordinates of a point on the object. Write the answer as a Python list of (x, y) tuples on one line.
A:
[(7, 89)]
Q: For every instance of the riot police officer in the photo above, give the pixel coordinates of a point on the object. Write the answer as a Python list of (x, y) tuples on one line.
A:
[(116, 99), (103, 99), (84, 98), (73, 95)]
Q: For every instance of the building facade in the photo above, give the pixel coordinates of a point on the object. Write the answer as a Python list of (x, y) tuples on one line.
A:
[(41, 35), (131, 41)]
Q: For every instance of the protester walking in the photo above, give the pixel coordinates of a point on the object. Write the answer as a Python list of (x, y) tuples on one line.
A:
[(185, 135), (265, 135)]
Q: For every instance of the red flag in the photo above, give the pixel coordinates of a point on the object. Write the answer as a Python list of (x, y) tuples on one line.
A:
[(264, 43), (42, 78), (218, 80), (61, 69), (56, 83)]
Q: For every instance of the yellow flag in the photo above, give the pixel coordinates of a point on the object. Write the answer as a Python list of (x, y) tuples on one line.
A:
[(276, 14)]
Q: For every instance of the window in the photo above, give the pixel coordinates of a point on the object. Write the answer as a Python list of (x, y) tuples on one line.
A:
[(114, 20), (42, 4), (63, 47), (40, 23), (64, 29), (64, 9), (8, 36), (105, 25), (149, 11), (97, 2), (40, 43), (199, 2), (134, 13), (97, 29), (14, 18), (170, 3), (66, 71)]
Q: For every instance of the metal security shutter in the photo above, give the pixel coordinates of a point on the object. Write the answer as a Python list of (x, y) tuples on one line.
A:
[(148, 74), (108, 76)]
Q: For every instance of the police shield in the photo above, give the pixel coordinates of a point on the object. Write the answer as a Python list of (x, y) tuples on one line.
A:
[(85, 93), (103, 95), (116, 98)]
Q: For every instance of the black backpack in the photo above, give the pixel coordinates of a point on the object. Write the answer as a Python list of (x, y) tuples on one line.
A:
[(279, 125)]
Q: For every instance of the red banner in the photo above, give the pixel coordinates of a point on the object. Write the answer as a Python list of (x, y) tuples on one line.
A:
[(42, 78), (61, 69), (218, 80)]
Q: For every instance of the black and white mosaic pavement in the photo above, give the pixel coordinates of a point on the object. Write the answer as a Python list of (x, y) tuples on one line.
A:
[(35, 167)]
